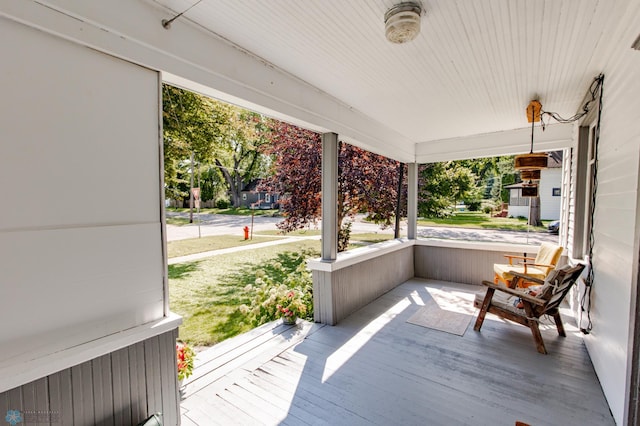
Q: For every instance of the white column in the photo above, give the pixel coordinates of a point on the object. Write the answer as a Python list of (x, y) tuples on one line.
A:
[(329, 196), (412, 201)]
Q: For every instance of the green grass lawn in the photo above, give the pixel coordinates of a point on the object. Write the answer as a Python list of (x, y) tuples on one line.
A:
[(480, 220), (370, 237), (207, 293), (240, 211), (297, 233), (216, 242), (178, 221)]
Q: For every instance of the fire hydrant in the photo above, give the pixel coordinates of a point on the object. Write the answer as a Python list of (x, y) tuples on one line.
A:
[(246, 232)]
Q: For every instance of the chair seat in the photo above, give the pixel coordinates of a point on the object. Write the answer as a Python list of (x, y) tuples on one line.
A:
[(501, 300), (502, 270), (545, 261)]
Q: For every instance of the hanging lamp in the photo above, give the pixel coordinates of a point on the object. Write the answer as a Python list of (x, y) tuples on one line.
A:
[(530, 174), (537, 160)]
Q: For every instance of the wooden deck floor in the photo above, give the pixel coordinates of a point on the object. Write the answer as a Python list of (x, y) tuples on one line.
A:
[(375, 368)]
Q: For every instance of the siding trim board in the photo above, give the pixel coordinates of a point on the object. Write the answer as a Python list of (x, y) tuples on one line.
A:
[(12, 374), (120, 388)]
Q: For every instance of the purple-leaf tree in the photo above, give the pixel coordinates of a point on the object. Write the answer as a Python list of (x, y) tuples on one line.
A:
[(367, 182)]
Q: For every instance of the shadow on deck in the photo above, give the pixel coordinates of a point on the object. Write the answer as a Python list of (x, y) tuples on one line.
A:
[(376, 368)]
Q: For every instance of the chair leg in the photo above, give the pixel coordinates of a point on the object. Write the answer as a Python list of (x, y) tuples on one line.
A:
[(559, 325), (533, 325), (535, 331), (483, 310)]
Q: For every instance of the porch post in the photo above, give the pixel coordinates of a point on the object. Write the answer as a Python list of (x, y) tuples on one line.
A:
[(329, 196), (412, 201)]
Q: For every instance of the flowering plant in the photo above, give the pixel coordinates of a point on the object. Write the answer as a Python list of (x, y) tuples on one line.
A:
[(290, 299), (184, 357), (291, 305)]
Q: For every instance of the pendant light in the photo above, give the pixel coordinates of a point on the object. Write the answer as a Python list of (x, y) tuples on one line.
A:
[(529, 165), (532, 161)]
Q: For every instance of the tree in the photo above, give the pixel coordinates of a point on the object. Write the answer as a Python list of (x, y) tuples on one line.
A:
[(212, 183), (507, 175), (367, 182), (442, 185), (218, 135), (189, 126), (296, 174), (243, 138)]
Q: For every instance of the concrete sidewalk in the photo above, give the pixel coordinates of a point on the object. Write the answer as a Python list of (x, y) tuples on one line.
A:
[(205, 254)]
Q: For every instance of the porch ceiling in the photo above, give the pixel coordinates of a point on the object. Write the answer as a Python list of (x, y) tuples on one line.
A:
[(472, 70)]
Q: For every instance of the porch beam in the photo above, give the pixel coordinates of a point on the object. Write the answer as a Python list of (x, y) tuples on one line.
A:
[(329, 196), (555, 137), (412, 201)]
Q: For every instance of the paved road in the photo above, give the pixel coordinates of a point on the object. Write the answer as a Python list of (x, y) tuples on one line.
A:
[(218, 224)]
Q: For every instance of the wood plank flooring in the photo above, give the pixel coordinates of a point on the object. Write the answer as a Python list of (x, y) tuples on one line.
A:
[(375, 368)]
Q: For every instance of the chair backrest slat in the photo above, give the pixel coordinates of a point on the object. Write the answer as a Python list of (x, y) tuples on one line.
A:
[(565, 279)]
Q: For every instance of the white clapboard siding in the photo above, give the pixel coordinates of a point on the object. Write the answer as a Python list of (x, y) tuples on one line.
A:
[(615, 225), (549, 203), (79, 274), (80, 224)]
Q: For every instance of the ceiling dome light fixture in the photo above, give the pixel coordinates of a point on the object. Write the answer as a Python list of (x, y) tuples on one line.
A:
[(402, 22)]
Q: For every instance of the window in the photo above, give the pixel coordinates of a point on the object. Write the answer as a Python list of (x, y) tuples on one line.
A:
[(516, 198), (584, 187), (267, 198), (555, 192)]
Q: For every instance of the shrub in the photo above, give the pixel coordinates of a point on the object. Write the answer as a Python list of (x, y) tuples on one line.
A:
[(343, 237), (222, 203), (473, 206), (271, 300)]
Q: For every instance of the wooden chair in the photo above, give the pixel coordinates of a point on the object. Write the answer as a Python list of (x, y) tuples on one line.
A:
[(501, 301), (537, 267)]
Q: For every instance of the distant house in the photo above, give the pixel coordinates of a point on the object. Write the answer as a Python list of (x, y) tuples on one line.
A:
[(251, 197), (548, 189)]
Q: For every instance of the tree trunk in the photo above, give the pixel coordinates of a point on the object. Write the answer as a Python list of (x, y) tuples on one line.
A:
[(236, 188), (534, 212), (234, 194)]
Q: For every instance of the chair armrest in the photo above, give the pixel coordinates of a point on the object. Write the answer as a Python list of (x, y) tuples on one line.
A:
[(513, 256), (541, 264), (515, 292), (526, 277)]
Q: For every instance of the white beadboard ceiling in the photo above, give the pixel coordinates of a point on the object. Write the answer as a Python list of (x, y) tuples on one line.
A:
[(472, 70)]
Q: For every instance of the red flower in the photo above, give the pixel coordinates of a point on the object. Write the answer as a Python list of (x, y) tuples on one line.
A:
[(184, 360)]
